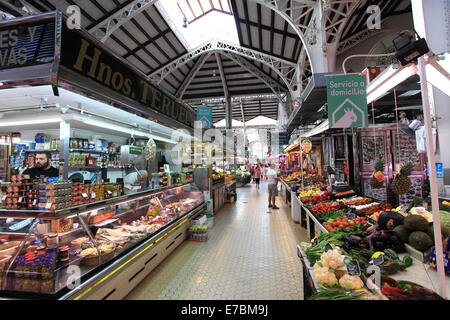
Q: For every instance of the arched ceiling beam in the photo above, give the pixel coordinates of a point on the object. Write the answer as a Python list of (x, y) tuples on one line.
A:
[(222, 74), (286, 9), (188, 79), (285, 69), (106, 27), (256, 72)]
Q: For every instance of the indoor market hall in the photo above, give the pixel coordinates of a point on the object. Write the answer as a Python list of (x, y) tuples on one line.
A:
[(207, 153)]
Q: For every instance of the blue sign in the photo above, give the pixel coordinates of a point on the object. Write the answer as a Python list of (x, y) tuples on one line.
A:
[(439, 169)]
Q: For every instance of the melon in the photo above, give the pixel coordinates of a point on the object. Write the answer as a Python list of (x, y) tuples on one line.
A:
[(402, 232), (420, 240), (416, 223)]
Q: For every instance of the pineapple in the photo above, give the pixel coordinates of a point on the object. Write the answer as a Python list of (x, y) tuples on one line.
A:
[(402, 183), (379, 166)]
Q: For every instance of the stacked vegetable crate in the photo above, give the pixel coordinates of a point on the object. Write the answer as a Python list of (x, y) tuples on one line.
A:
[(349, 239)]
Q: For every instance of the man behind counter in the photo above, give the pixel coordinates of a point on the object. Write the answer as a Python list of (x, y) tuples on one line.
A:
[(42, 167)]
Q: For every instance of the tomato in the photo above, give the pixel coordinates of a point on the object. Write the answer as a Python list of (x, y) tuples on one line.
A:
[(335, 224), (348, 228)]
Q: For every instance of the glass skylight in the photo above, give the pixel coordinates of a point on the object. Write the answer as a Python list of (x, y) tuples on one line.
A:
[(204, 22)]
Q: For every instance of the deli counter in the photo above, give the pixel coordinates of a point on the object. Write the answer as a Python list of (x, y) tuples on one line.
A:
[(96, 251)]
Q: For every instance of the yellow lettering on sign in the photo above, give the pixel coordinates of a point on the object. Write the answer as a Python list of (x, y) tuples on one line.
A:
[(101, 73), (23, 55), (127, 86), (166, 105), (82, 56), (156, 99), (32, 32)]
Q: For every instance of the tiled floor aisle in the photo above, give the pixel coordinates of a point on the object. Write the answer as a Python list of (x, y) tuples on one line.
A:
[(250, 254)]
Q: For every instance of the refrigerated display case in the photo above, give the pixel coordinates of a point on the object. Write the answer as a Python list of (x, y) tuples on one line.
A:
[(100, 250)]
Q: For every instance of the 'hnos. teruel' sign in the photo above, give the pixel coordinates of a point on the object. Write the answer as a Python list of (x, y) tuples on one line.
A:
[(83, 56)]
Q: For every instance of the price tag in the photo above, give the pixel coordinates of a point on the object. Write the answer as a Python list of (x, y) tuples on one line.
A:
[(327, 247), (378, 258), (93, 195), (314, 242), (20, 225), (109, 192), (351, 215), (353, 268), (3, 198), (84, 195), (404, 209), (20, 199), (48, 205), (34, 202)]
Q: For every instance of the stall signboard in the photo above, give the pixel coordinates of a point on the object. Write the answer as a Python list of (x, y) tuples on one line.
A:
[(27, 43), (82, 55), (306, 146), (347, 101), (204, 115)]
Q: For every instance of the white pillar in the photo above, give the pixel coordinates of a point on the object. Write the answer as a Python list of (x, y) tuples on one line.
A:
[(431, 22)]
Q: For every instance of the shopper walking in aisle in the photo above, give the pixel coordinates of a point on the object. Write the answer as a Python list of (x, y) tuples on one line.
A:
[(264, 172), (257, 175), (272, 181)]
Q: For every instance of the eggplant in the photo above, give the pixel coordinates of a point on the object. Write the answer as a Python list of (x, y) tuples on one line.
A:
[(394, 239), (385, 235)]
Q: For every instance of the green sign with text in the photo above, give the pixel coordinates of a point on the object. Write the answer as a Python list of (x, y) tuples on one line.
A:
[(204, 114), (347, 101)]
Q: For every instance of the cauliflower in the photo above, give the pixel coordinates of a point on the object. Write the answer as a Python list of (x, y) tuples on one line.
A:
[(324, 276), (332, 259), (351, 282)]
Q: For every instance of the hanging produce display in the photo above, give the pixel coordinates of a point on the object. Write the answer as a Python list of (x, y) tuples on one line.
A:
[(377, 179), (402, 182), (150, 150)]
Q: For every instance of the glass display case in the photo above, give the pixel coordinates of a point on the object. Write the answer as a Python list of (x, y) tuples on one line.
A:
[(49, 253)]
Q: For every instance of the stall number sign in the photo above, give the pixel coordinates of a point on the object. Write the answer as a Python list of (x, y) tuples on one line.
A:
[(347, 101)]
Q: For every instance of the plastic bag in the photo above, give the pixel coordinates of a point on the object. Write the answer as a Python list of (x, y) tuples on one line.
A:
[(421, 140)]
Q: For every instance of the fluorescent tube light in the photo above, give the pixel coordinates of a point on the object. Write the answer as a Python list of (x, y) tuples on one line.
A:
[(25, 122), (389, 81), (127, 130)]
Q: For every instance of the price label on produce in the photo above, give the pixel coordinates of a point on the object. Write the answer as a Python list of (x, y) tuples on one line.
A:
[(351, 215), (93, 195), (48, 205), (84, 195), (3, 198), (109, 192), (353, 268), (34, 202), (20, 199), (378, 258), (327, 247)]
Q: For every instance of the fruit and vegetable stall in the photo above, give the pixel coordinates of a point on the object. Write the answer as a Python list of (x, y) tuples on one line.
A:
[(364, 249)]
